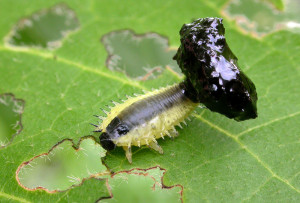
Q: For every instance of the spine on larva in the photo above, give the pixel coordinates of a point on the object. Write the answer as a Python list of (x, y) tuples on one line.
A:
[(143, 119)]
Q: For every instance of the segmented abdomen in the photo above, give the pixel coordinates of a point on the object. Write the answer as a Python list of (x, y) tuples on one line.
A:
[(143, 119)]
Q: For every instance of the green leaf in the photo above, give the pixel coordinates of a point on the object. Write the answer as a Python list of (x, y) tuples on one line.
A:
[(215, 159), (277, 3)]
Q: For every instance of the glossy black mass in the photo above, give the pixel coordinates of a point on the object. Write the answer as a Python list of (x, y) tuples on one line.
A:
[(212, 73)]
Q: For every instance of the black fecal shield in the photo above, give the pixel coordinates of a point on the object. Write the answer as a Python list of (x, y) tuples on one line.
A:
[(212, 74)]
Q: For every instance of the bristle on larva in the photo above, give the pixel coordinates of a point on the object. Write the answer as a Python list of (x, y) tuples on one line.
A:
[(104, 111), (114, 102)]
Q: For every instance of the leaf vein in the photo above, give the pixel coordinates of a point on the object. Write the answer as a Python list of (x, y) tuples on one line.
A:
[(269, 123), (242, 145), (258, 189), (12, 197), (72, 63)]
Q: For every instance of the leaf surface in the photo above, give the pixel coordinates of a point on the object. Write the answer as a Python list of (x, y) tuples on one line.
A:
[(215, 159)]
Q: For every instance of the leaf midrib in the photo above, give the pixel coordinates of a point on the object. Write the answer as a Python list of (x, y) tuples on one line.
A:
[(72, 63)]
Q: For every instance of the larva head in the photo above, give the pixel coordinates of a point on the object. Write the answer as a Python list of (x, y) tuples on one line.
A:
[(114, 130), (212, 74), (106, 142)]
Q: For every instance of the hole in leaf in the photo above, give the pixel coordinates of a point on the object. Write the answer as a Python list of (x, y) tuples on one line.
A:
[(11, 110), (140, 57), (45, 28), (63, 166), (140, 185), (262, 17), (277, 3)]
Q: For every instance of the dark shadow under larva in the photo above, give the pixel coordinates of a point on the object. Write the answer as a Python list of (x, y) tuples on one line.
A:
[(212, 78)]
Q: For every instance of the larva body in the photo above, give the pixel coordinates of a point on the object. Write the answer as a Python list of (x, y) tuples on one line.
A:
[(143, 119)]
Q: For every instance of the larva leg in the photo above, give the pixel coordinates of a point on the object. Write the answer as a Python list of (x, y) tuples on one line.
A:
[(156, 147), (128, 153), (173, 132)]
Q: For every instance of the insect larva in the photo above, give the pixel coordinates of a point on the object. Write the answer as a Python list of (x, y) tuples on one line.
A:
[(143, 119), (212, 78)]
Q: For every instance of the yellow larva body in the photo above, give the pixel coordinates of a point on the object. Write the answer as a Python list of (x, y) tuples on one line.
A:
[(143, 119)]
